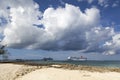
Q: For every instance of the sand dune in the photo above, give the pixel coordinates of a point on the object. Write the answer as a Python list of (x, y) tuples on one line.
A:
[(62, 74), (25, 72), (7, 71), (12, 71)]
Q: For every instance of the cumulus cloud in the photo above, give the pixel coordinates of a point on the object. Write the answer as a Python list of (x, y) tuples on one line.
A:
[(68, 26), (98, 38), (63, 28), (112, 46)]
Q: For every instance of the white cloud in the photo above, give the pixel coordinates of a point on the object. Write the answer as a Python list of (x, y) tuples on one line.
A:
[(63, 28), (116, 39), (97, 36), (106, 3), (115, 4), (79, 0), (89, 1), (103, 3), (62, 2), (112, 46), (69, 17), (68, 25)]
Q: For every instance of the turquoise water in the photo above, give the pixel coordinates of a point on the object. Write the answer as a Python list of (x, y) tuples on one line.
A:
[(115, 64)]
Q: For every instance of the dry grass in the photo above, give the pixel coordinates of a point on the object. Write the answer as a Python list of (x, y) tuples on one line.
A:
[(90, 68)]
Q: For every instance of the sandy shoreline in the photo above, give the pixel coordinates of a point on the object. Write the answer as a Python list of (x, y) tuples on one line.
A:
[(9, 71), (62, 74)]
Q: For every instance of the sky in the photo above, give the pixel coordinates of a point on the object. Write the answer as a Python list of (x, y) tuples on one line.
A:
[(33, 29)]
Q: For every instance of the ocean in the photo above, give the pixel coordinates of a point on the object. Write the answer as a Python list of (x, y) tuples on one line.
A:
[(112, 64)]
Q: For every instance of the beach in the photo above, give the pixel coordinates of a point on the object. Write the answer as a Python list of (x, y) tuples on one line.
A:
[(10, 71)]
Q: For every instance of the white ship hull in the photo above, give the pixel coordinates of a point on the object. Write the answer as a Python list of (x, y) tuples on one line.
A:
[(77, 58)]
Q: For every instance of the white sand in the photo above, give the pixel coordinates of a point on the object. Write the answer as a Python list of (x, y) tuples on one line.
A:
[(62, 74), (10, 71)]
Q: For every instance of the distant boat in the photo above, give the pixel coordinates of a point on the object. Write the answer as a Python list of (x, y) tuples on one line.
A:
[(47, 59), (81, 58)]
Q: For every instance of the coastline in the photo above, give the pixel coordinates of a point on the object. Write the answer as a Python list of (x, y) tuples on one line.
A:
[(66, 66), (25, 71)]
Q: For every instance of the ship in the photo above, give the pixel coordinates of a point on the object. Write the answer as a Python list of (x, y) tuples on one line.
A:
[(47, 59), (81, 58)]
